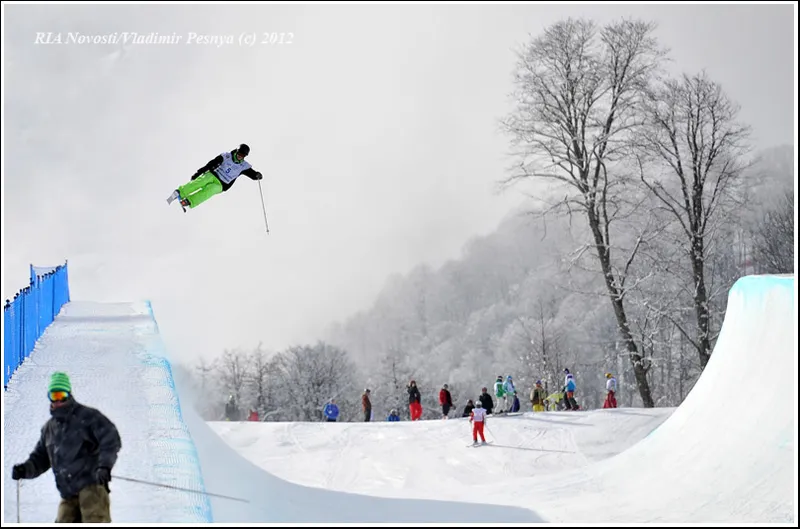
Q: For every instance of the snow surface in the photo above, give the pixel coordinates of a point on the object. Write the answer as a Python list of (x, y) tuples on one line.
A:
[(433, 459), (727, 454)]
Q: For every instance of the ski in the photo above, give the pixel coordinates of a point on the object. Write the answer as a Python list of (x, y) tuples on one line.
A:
[(177, 196)]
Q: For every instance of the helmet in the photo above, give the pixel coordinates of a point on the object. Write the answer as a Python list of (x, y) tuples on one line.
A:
[(478, 403), (243, 149), (608, 375), (538, 382), (366, 390), (509, 377), (566, 370), (499, 377), (484, 389), (393, 412), (445, 386)]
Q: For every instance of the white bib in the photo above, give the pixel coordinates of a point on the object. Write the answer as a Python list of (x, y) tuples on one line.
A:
[(230, 170), (479, 414)]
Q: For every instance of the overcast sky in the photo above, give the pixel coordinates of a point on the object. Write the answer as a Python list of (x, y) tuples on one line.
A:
[(375, 129)]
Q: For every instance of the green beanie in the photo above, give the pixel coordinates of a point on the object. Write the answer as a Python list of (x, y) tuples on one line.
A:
[(60, 382)]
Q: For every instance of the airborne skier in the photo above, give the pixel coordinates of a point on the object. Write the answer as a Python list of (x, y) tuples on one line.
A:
[(217, 176)]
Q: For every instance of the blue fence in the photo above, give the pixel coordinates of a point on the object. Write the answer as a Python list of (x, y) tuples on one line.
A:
[(33, 309)]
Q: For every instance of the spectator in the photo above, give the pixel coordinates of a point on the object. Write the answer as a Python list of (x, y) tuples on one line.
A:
[(569, 391), (538, 396), (468, 408), (231, 410), (446, 400), (486, 401), (331, 411), (509, 392), (366, 405), (414, 401), (500, 393), (611, 389)]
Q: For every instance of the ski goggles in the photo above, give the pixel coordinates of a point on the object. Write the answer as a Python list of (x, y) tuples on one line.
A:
[(58, 396)]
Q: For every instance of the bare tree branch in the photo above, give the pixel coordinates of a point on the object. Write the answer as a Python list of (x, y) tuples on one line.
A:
[(692, 131), (579, 99)]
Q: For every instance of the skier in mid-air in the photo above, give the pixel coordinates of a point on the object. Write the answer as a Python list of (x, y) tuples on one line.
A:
[(217, 176)]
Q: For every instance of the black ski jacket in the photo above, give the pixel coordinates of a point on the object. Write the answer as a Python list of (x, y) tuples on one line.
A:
[(231, 411), (487, 402), (214, 164), (75, 442), (413, 394)]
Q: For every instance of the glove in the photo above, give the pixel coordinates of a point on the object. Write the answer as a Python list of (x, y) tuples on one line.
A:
[(19, 472), (258, 176), (103, 475)]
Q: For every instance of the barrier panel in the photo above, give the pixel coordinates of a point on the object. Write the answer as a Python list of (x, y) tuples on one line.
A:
[(28, 315)]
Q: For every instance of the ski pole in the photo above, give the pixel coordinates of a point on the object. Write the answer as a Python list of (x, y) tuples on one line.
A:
[(178, 488), (488, 430), (18, 501), (263, 207)]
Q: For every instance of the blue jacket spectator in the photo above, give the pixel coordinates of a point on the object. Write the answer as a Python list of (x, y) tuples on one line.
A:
[(331, 411), (393, 417)]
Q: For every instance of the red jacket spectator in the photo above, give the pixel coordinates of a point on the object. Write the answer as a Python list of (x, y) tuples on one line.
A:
[(445, 397), (253, 416), (446, 401)]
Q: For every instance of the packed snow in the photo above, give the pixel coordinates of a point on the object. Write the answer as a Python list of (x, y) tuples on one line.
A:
[(726, 455)]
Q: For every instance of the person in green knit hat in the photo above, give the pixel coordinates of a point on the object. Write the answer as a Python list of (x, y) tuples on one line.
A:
[(81, 445)]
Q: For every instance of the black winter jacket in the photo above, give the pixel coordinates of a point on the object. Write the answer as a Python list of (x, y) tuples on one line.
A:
[(231, 411), (413, 395), (212, 166), (75, 442), (487, 402)]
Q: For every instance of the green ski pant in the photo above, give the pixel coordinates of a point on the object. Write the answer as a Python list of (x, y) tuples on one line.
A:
[(200, 189)]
